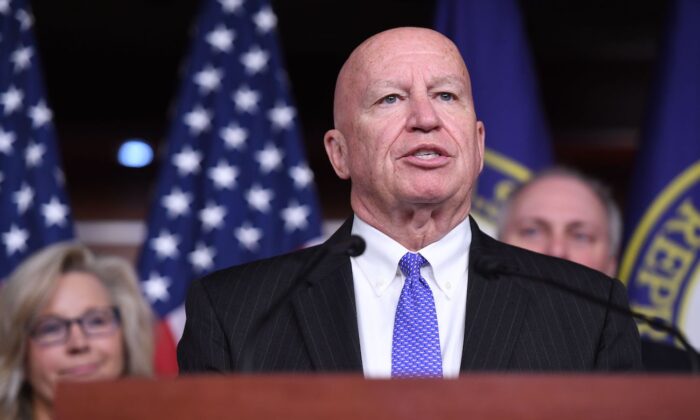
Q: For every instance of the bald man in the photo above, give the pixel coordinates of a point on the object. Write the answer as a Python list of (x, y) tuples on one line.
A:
[(431, 295)]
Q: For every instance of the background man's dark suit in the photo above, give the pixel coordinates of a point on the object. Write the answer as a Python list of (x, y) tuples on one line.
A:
[(512, 323)]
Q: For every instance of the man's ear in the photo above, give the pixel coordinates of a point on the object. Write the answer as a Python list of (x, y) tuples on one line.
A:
[(337, 150), (481, 140)]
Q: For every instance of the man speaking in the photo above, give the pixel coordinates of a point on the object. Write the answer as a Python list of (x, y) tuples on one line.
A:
[(431, 296)]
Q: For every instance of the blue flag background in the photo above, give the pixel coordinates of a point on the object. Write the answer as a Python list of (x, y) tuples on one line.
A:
[(660, 263), (34, 209), (234, 184), (492, 40)]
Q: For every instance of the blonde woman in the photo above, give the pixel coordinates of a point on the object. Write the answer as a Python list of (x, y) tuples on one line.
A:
[(67, 315)]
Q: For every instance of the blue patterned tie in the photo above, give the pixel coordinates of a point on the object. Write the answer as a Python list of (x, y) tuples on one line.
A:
[(416, 346)]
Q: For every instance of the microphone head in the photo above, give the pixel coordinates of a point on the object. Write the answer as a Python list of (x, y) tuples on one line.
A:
[(355, 246)]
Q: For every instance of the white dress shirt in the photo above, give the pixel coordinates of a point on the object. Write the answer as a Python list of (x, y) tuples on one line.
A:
[(378, 282)]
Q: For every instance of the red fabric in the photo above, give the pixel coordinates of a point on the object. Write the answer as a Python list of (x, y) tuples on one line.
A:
[(165, 362)]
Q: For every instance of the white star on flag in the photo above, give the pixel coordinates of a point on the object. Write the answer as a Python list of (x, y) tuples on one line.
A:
[(15, 240), (302, 176), (177, 202), (187, 161), (234, 136), (295, 216), (202, 258), (230, 6), (21, 58), (23, 198), (208, 79), (156, 288), (212, 216), (54, 212), (223, 175), (255, 60), (25, 19), (199, 119), (40, 114), (269, 158), (246, 100), (6, 140), (259, 198), (265, 20), (221, 38), (34, 154), (165, 245), (248, 236), (11, 100), (281, 116), (4, 6)]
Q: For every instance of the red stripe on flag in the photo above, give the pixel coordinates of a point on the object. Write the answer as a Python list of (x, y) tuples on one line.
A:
[(165, 362)]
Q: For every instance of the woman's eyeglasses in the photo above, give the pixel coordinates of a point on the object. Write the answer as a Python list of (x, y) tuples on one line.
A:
[(52, 330)]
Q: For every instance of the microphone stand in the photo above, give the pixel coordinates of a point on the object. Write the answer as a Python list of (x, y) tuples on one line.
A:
[(486, 265)]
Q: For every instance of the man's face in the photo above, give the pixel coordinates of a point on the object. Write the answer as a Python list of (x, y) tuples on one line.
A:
[(562, 217), (406, 132)]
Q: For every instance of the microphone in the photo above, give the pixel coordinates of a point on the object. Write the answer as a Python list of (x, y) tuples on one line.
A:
[(352, 247), (493, 267)]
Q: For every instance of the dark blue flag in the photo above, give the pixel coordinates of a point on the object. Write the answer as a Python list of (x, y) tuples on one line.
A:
[(492, 40), (661, 261), (34, 210), (234, 185)]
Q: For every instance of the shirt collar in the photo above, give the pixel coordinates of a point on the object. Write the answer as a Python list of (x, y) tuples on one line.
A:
[(380, 261), (448, 257)]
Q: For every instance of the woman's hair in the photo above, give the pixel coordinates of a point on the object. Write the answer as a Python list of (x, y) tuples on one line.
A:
[(27, 291)]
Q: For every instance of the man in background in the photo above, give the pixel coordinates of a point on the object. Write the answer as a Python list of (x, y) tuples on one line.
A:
[(563, 213)]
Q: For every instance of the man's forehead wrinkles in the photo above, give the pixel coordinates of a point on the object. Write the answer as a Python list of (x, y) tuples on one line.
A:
[(407, 82)]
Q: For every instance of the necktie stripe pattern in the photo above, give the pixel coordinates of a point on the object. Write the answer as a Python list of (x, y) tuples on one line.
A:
[(416, 342)]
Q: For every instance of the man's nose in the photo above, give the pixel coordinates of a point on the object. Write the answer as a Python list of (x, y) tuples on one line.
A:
[(423, 114), (558, 247)]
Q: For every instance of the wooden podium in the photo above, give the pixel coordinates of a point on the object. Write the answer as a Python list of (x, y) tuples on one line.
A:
[(471, 397)]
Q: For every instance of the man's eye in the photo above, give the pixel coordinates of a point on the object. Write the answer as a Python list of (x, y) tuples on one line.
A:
[(583, 237), (528, 232), (390, 99), (446, 96)]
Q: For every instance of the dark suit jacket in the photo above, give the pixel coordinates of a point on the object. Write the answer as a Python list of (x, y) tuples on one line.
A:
[(512, 323)]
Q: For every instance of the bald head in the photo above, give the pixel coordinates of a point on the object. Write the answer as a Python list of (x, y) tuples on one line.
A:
[(373, 53), (406, 134)]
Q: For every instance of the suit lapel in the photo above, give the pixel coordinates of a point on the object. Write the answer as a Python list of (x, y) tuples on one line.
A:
[(326, 311), (496, 307)]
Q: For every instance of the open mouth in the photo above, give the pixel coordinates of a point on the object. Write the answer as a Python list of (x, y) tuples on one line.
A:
[(427, 154)]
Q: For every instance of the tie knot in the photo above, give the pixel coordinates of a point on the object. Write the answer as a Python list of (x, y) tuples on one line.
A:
[(411, 263)]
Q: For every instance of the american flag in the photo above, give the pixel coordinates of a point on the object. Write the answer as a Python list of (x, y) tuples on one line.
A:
[(234, 184), (34, 211)]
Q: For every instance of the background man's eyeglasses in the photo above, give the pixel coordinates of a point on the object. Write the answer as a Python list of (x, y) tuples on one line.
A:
[(51, 330)]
